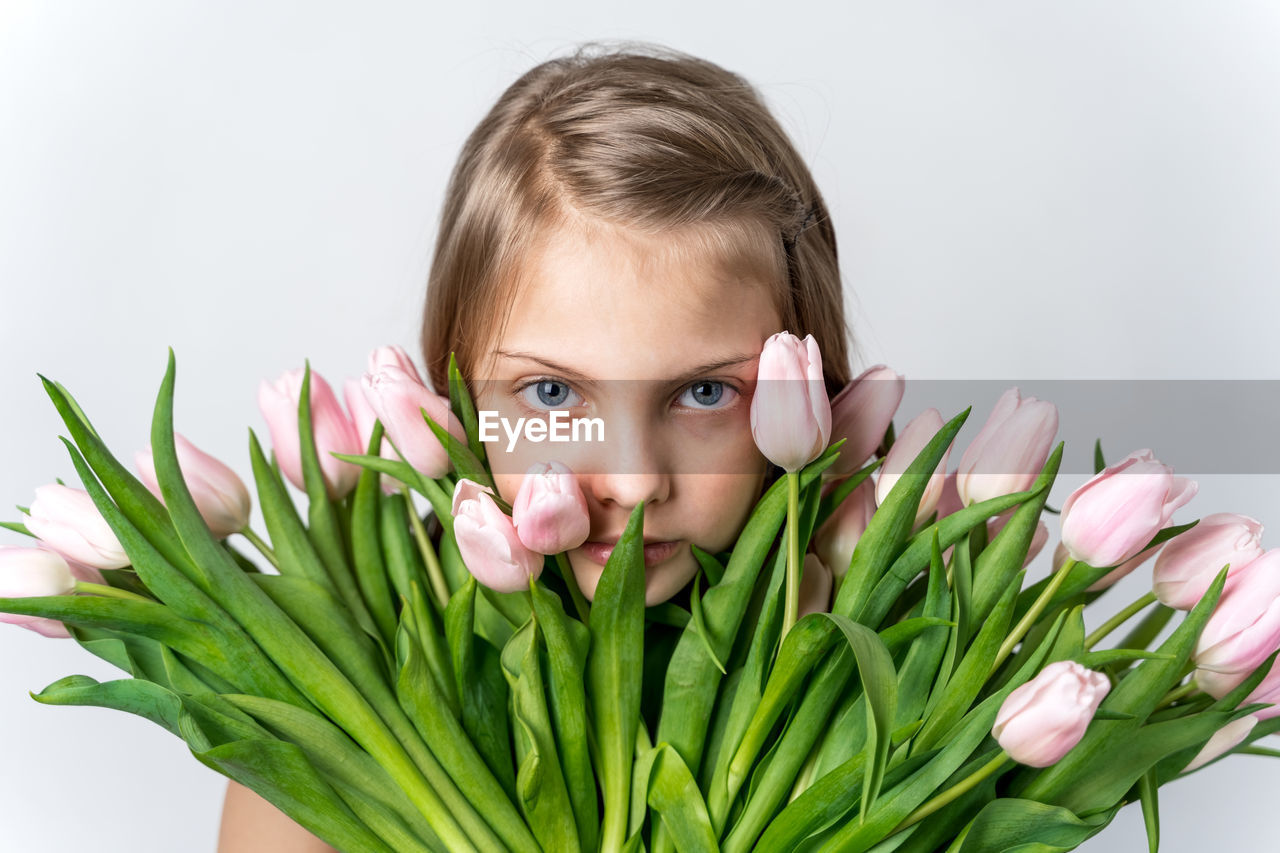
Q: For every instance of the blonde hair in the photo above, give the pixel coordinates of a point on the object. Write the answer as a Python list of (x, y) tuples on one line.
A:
[(642, 137)]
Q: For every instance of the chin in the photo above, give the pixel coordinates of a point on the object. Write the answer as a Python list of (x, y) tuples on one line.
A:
[(661, 581)]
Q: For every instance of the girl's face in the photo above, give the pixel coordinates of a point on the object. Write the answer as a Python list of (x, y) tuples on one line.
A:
[(664, 353)]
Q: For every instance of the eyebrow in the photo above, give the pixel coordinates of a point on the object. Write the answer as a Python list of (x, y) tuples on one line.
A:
[(691, 374)]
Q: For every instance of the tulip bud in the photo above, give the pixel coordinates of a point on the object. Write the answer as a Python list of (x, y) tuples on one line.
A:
[(364, 418), (220, 495), (1223, 740), (399, 400), (29, 572), (1243, 630), (1042, 720), (861, 413), (488, 542), (332, 429), (790, 412), (393, 356), (815, 587), (839, 534), (906, 447), (66, 520), (550, 510), (1114, 515), (1010, 449), (1191, 560)]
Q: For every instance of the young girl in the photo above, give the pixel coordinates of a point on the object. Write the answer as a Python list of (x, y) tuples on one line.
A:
[(621, 234)]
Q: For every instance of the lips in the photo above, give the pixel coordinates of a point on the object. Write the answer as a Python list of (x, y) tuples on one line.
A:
[(654, 552)]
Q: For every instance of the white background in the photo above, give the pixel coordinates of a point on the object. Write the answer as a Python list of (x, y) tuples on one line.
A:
[(1021, 190)]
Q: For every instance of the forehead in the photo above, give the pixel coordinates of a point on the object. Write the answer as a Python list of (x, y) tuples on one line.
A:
[(621, 303)]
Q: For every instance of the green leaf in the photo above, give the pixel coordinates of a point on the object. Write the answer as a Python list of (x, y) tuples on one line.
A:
[(135, 696), (482, 689), (540, 785), (281, 773), (461, 404), (1098, 461), (712, 567), (366, 547), (700, 624), (616, 655), (17, 527), (340, 760), (953, 701), (567, 643), (675, 796), (1026, 825), (892, 522), (325, 530), (465, 462), (419, 694)]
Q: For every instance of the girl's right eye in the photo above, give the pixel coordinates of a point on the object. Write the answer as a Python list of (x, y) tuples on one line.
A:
[(549, 394)]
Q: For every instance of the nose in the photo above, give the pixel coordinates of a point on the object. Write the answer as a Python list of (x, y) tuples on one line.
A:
[(631, 468)]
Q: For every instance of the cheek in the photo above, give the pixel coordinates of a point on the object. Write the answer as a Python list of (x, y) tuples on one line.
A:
[(718, 506)]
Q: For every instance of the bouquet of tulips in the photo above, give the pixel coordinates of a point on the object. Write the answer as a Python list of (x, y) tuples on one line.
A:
[(864, 669)]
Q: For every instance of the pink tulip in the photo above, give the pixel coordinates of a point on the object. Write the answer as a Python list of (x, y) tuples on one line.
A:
[(220, 495), (906, 447), (1114, 515), (1191, 560), (790, 412), (815, 587), (1042, 720), (29, 572), (1267, 691), (393, 356), (1010, 449), (488, 542), (550, 511), (861, 414), (839, 534), (333, 430), (66, 520), (1224, 740), (399, 399), (1243, 629), (364, 417)]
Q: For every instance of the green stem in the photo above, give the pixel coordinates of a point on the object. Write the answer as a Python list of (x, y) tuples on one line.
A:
[(571, 581), (110, 592), (435, 574), (1178, 693), (792, 601), (953, 793), (1030, 617), (258, 542), (1119, 619)]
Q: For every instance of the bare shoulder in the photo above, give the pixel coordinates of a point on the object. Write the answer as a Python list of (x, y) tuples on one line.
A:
[(250, 824)]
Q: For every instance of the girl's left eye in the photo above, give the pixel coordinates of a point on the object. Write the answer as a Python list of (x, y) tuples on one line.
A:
[(708, 394)]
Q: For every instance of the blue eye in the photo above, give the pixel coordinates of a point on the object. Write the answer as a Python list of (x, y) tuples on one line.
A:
[(708, 395), (550, 393)]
